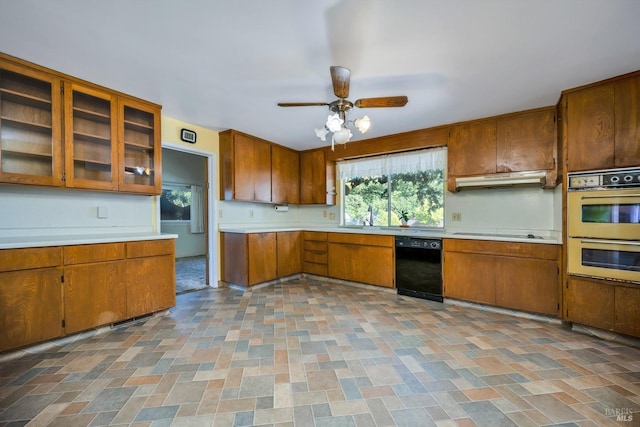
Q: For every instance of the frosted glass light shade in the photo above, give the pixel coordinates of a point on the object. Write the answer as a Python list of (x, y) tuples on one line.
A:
[(363, 124), (334, 123), (342, 136)]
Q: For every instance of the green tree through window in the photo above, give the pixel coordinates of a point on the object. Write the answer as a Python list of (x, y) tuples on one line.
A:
[(379, 199)]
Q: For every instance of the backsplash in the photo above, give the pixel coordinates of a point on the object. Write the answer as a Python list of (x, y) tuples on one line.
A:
[(248, 214), (35, 211)]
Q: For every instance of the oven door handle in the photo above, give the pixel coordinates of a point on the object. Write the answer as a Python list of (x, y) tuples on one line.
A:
[(610, 196), (612, 242)]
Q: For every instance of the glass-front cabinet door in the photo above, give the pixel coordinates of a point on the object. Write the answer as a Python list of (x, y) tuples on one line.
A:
[(30, 127), (139, 132), (90, 133)]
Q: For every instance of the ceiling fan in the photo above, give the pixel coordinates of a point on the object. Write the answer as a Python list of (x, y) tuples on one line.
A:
[(336, 123)]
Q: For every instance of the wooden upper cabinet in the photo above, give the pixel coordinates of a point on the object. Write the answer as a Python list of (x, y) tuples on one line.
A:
[(590, 128), (56, 130), (139, 155), (245, 167), (472, 148), (317, 178), (527, 142), (30, 127), (91, 135), (285, 174), (627, 113)]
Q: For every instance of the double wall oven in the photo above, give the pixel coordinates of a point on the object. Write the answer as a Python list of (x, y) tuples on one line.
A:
[(603, 224)]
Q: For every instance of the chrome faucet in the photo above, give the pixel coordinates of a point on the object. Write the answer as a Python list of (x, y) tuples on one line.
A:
[(370, 210)]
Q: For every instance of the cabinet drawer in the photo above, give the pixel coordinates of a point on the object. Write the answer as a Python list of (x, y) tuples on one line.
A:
[(23, 259), (515, 249), (314, 246), (362, 239), (313, 268), (147, 248), (317, 257), (314, 235), (82, 254)]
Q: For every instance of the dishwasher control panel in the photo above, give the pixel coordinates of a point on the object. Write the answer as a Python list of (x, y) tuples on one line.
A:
[(413, 242)]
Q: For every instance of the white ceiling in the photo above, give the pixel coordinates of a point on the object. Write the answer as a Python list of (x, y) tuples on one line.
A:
[(226, 63)]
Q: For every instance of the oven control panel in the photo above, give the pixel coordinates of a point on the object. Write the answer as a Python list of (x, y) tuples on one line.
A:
[(608, 179)]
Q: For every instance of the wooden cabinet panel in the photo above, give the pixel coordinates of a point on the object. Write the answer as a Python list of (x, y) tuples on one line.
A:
[(262, 257), (317, 178), (151, 284), (469, 277), (517, 249), (372, 265), (472, 149), (590, 303), (627, 310), (30, 307), (91, 154), (361, 239), (289, 253), (315, 253), (526, 142), (315, 235), (590, 128), (80, 254), (627, 122), (144, 248), (528, 284), (139, 148), (29, 258), (245, 167), (285, 175), (94, 295), (30, 103), (235, 267)]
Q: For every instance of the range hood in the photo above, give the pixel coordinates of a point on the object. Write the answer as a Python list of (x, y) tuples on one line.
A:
[(509, 179)]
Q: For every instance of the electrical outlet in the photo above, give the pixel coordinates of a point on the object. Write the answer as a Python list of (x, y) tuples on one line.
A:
[(324, 214), (251, 213), (219, 213), (456, 216), (332, 216)]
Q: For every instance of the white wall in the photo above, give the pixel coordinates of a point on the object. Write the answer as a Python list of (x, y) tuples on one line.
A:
[(42, 211), (505, 209), (248, 214)]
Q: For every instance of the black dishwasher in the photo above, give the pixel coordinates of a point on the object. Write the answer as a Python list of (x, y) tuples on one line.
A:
[(419, 267)]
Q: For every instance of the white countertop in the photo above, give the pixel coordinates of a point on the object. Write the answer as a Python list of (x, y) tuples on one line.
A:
[(492, 234), (83, 239)]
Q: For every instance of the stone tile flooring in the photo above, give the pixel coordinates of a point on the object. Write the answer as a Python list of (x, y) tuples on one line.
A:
[(190, 274), (312, 353)]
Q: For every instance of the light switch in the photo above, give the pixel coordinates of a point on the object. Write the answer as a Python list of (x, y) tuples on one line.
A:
[(103, 212)]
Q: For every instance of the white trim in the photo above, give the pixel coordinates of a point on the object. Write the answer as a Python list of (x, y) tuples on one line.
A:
[(212, 177)]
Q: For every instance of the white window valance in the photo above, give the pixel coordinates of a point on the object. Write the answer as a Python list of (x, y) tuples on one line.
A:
[(422, 160)]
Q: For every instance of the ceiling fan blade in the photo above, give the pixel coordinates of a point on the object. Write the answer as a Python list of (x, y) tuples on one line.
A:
[(340, 77), (385, 101), (302, 104)]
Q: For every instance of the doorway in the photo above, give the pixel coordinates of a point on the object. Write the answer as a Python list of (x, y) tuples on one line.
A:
[(185, 208)]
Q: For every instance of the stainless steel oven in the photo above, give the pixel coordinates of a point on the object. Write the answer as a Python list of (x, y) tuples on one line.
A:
[(603, 224)]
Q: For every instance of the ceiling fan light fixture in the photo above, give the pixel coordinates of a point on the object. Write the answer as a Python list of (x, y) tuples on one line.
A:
[(334, 122), (322, 133), (363, 124), (342, 136)]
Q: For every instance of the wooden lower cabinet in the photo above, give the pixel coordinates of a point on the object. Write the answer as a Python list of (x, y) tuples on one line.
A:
[(603, 304), (469, 277), (150, 284), (314, 253), (94, 295), (30, 306), (362, 258), (288, 253), (50, 292), (528, 284), (520, 276), (589, 302), (249, 259)]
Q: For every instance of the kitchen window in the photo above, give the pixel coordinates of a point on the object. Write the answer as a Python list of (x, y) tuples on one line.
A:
[(377, 190)]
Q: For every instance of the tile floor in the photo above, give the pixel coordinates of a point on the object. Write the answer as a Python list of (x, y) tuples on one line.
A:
[(316, 353)]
